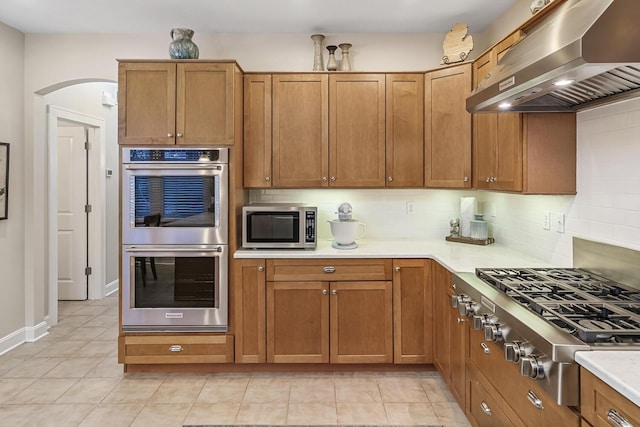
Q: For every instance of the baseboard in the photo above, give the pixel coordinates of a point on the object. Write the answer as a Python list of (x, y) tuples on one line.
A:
[(26, 334), (111, 287)]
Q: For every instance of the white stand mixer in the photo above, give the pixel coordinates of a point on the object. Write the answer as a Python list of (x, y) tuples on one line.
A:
[(345, 230)]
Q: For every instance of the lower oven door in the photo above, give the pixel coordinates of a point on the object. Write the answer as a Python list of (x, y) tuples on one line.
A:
[(175, 288)]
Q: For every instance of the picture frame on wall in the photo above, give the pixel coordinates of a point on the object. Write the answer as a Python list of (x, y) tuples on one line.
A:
[(4, 180)]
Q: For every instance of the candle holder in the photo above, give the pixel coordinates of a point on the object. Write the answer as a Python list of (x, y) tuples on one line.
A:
[(332, 65)]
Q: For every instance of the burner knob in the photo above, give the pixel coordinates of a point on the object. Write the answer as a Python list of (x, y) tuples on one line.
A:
[(467, 308), (458, 300), (514, 351), (531, 367), (479, 320), (492, 332)]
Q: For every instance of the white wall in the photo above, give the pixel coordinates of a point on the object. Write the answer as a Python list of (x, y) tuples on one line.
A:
[(12, 301)]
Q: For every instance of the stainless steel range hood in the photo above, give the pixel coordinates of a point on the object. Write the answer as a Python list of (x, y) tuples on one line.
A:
[(595, 44)]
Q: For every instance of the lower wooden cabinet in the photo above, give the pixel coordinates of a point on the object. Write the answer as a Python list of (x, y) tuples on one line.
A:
[(603, 406), (412, 311), (173, 349), (484, 406), (249, 282)]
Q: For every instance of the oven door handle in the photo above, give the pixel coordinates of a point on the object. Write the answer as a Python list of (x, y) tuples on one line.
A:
[(172, 249), (165, 167)]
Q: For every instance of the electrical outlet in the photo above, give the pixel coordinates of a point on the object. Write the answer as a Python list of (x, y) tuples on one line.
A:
[(546, 223), (558, 221), (411, 208)]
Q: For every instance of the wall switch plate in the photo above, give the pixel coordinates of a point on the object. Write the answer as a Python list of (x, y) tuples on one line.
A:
[(546, 223), (411, 208), (558, 221)]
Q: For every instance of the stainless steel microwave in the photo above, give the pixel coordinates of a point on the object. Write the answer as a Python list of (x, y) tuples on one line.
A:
[(279, 226)]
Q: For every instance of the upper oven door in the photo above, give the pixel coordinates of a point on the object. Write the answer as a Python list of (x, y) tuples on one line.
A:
[(180, 204)]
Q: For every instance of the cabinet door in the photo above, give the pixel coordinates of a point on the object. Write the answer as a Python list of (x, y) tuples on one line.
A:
[(205, 104), (412, 311), (361, 322), (297, 322), (249, 296), (448, 128), (146, 103), (442, 318), (300, 130), (257, 130), (357, 132), (508, 162), (485, 134), (405, 130)]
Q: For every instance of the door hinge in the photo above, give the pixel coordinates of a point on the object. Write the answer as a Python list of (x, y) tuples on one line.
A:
[(88, 271), (87, 146), (87, 208)]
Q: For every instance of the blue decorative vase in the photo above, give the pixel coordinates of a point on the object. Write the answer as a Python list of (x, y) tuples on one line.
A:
[(182, 47)]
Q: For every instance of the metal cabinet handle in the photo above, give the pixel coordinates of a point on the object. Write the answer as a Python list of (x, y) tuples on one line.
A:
[(460, 320), (487, 179), (267, 178), (324, 292), (535, 400), (485, 348), (390, 179), (397, 268), (324, 179), (485, 408), (333, 179), (334, 292), (179, 135), (260, 268), (466, 179), (616, 419), (169, 135), (176, 348), (329, 269)]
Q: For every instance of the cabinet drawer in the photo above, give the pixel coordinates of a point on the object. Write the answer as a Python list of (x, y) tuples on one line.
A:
[(488, 358), (600, 402), (328, 269), (176, 349), (484, 404)]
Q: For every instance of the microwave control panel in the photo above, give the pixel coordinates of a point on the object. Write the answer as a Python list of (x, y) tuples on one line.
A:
[(310, 227)]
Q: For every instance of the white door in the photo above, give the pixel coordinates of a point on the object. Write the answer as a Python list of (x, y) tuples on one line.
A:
[(72, 218)]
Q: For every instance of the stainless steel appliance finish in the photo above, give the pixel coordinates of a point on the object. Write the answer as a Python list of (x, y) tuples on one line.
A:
[(188, 187), (592, 43), (189, 292), (543, 316), (279, 226)]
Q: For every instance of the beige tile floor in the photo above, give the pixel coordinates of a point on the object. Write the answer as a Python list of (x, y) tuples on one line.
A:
[(71, 378)]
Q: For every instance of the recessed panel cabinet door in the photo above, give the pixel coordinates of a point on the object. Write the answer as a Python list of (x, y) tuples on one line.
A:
[(442, 319), (361, 322), (257, 130), (405, 130), (146, 103), (300, 130), (205, 102), (357, 131), (447, 124)]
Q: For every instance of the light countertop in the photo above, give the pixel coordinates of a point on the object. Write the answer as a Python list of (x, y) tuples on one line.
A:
[(457, 257), (619, 369)]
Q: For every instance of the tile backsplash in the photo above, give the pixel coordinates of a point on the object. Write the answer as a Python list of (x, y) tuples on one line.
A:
[(606, 208)]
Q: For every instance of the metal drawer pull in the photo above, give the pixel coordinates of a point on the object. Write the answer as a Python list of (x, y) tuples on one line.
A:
[(616, 419), (485, 408), (176, 348), (485, 348), (334, 292), (329, 269), (535, 400)]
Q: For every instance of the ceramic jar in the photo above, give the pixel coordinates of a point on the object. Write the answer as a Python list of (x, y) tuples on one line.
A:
[(182, 47)]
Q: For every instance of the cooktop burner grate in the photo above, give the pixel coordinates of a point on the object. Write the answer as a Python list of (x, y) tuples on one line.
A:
[(588, 306)]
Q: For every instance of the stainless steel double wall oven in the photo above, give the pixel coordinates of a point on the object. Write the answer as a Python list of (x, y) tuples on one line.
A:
[(175, 239)]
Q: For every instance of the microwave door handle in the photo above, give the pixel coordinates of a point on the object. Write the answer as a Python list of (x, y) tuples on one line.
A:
[(134, 249), (166, 166)]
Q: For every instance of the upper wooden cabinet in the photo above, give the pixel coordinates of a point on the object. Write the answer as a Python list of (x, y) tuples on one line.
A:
[(166, 103), (447, 140), (300, 130), (257, 130), (357, 130), (405, 130)]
